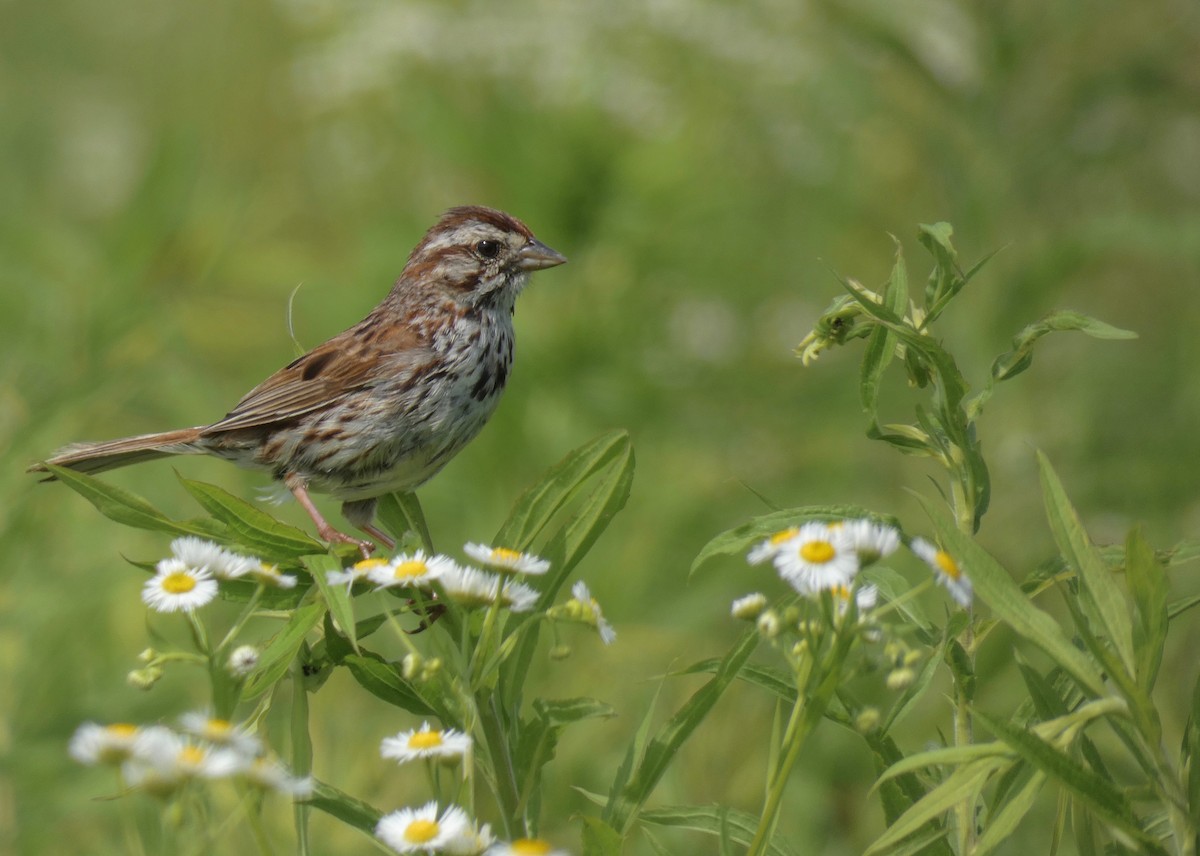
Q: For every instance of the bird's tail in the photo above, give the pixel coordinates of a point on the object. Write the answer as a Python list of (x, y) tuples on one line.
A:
[(98, 457)]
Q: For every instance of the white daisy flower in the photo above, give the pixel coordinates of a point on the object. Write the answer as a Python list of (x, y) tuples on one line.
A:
[(178, 587), (269, 575), (865, 598), (870, 540), (472, 841), (221, 732), (526, 847), (472, 588), (103, 744), (163, 760), (947, 571), (202, 553), (420, 830), (518, 597), (749, 607), (426, 742), (357, 572), (268, 774), (243, 660), (505, 560), (764, 550), (816, 558), (583, 607), (409, 571)]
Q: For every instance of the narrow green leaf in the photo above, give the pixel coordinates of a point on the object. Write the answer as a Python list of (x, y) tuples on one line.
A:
[(1014, 362), (947, 756), (996, 588), (1085, 560), (400, 513), (1104, 798), (1004, 822), (534, 509), (384, 681), (251, 526), (633, 757), (667, 742), (881, 344), (282, 649), (1148, 585), (1046, 701), (1191, 747), (964, 783), (564, 711), (129, 509), (740, 826), (913, 693), (349, 810), (336, 597), (600, 839)]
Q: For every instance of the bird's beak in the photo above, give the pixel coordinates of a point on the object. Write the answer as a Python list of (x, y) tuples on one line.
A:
[(535, 256)]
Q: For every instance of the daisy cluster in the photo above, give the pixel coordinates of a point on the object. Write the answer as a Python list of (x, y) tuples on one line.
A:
[(161, 760), (429, 830), (476, 587), (189, 578), (827, 556)]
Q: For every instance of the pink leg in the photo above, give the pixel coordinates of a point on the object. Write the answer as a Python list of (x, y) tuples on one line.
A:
[(300, 490), (378, 534)]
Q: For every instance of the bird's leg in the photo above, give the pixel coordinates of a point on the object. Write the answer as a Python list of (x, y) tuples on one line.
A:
[(361, 512), (299, 489)]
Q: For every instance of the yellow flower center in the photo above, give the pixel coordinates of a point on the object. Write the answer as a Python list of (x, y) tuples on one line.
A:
[(949, 567), (817, 552), (425, 740), (784, 535), (410, 568), (219, 728), (840, 591), (122, 729), (191, 755), (178, 582), (530, 847), (367, 565), (503, 555), (268, 570), (420, 831)]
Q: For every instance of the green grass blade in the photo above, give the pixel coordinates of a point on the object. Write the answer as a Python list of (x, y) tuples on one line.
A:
[(996, 588), (1083, 557), (1004, 822)]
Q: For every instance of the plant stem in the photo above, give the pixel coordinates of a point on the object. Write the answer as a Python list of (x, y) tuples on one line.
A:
[(502, 767), (301, 751)]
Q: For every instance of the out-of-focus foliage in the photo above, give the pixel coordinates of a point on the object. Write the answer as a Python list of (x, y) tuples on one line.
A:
[(170, 172)]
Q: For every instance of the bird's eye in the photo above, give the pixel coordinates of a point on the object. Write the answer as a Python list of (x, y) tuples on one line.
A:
[(488, 249)]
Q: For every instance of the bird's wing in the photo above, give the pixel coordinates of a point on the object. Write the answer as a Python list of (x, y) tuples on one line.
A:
[(328, 373)]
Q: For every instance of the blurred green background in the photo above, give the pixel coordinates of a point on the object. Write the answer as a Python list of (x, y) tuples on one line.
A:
[(170, 172)]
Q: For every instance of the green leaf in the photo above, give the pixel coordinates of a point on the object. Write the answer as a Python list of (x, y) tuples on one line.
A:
[(1085, 560), (539, 503), (736, 541), (996, 588), (881, 344), (336, 597), (1148, 585), (1191, 747), (282, 649), (383, 680), (1002, 823), (1104, 798), (251, 526), (1012, 363), (400, 513), (964, 783), (667, 742), (130, 509), (349, 810), (946, 756), (715, 821), (600, 839)]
